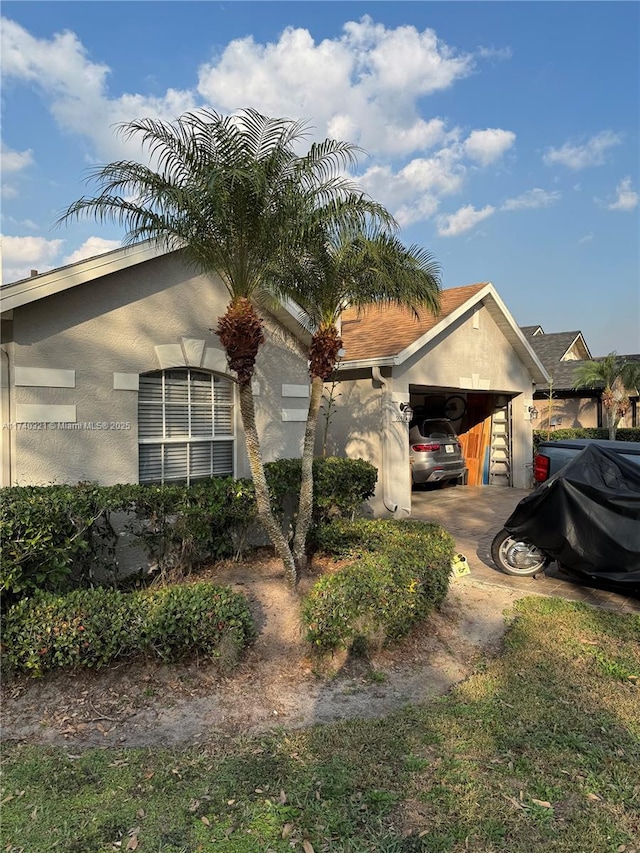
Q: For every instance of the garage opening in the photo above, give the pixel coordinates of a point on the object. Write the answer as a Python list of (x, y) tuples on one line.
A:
[(482, 420)]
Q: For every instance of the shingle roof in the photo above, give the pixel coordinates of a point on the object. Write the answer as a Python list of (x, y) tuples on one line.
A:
[(550, 349), (528, 331), (380, 331)]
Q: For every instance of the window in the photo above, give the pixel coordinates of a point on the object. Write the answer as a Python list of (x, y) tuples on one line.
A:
[(185, 426)]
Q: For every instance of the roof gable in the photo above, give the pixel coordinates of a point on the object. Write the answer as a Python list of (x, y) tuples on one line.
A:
[(26, 290), (387, 335), (378, 331)]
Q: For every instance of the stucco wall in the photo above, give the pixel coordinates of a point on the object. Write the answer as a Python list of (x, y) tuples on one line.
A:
[(112, 326), (473, 355)]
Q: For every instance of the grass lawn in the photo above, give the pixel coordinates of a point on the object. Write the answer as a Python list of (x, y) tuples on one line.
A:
[(539, 751)]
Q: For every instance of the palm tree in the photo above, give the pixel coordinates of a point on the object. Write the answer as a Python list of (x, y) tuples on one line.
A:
[(617, 376), (234, 196), (348, 263)]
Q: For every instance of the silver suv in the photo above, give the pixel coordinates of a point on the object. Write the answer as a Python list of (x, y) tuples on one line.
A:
[(434, 451)]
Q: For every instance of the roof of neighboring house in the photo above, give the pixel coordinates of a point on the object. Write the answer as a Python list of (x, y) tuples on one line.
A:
[(385, 335), (552, 350), (528, 331)]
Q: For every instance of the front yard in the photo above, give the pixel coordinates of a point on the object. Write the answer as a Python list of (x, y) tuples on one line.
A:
[(539, 750)]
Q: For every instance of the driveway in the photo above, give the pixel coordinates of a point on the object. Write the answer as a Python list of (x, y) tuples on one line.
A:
[(473, 515)]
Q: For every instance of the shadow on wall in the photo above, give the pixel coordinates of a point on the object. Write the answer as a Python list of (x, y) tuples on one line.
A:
[(354, 422)]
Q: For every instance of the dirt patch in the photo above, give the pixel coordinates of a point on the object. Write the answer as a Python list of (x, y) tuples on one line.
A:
[(278, 683)]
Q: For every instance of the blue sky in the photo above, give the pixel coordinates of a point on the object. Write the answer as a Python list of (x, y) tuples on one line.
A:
[(504, 137)]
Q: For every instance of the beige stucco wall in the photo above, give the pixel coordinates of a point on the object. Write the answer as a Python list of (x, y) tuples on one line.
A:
[(575, 412), (113, 325), (473, 355)]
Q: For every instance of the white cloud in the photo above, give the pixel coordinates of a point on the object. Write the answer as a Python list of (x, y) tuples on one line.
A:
[(76, 88), (365, 85), (532, 199), (15, 161), (500, 53), (451, 225), (626, 197), (362, 86), (413, 192), (487, 146), (586, 239), (91, 247), (22, 254), (591, 153)]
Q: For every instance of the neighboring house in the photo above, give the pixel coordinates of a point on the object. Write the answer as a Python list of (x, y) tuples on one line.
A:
[(111, 372), (470, 363), (560, 405)]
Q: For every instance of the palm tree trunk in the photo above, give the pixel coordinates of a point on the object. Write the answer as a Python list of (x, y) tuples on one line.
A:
[(305, 503), (263, 499)]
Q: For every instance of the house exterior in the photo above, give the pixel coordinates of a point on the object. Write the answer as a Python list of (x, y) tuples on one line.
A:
[(112, 372), (470, 363), (560, 405)]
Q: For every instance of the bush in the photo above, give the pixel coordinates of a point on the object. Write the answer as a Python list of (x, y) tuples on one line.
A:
[(49, 534), (622, 434), (399, 575), (57, 538), (340, 486), (94, 627)]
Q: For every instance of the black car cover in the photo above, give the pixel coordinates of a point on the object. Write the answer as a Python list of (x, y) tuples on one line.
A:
[(587, 516)]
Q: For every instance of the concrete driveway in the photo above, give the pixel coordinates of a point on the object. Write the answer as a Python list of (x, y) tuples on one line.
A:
[(473, 515)]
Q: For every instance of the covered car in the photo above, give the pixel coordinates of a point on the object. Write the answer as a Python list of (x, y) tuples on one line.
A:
[(587, 517)]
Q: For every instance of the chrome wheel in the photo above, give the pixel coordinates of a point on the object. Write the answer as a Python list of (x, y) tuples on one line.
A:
[(514, 556)]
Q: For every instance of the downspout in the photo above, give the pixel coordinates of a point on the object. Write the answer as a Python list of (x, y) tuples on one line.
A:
[(389, 504), (5, 407)]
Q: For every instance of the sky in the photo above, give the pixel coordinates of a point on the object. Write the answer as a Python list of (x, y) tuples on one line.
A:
[(503, 136)]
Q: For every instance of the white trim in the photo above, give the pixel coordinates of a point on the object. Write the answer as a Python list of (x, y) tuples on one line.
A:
[(44, 377), (32, 413), (215, 359), (170, 355), (294, 415), (126, 381), (193, 350), (18, 293), (488, 296), (295, 391)]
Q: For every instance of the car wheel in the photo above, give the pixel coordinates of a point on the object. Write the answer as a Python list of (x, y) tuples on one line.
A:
[(515, 556)]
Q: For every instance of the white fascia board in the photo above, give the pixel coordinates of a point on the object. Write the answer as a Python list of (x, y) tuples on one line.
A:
[(516, 337), (293, 318), (49, 283), (444, 324), (578, 337), (367, 363)]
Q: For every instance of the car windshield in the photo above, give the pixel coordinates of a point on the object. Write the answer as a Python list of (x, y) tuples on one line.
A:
[(437, 429)]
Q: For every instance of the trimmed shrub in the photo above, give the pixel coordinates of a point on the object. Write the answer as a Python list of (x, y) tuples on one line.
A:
[(94, 627), (57, 538), (399, 575), (340, 486), (622, 434)]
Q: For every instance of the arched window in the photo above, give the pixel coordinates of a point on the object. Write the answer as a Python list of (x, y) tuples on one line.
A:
[(185, 426)]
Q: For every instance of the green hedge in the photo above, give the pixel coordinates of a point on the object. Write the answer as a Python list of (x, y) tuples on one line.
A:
[(57, 538), (399, 575), (94, 627), (622, 434)]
